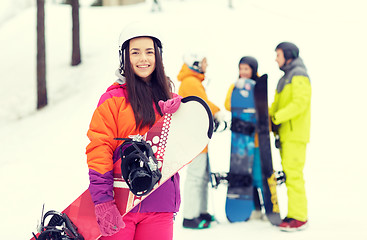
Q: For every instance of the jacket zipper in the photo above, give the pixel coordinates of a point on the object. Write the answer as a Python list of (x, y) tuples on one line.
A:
[(290, 124), (139, 207), (174, 185)]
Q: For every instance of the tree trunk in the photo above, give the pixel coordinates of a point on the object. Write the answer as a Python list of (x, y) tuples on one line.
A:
[(41, 56), (75, 57)]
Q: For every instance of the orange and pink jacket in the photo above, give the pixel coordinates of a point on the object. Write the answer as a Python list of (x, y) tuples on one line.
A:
[(114, 117)]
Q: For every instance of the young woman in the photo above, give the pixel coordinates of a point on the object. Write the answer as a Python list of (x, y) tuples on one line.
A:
[(247, 68), (129, 107), (248, 74)]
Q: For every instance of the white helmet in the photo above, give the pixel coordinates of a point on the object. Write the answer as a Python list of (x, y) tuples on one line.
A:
[(134, 30), (193, 60), (138, 29)]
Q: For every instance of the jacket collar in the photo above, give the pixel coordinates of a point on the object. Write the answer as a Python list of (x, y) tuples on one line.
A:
[(187, 72)]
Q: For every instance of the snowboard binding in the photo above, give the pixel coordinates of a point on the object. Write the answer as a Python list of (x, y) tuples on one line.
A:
[(220, 126), (139, 166), (243, 127), (216, 179), (280, 177), (239, 180), (232, 179), (59, 227)]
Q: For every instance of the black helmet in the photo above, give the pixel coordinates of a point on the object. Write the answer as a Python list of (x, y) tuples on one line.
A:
[(290, 50), (139, 166), (252, 62)]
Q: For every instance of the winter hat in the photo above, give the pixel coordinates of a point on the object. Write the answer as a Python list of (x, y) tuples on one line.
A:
[(290, 50), (252, 62)]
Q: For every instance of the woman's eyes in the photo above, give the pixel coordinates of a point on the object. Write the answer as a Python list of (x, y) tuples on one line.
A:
[(149, 52)]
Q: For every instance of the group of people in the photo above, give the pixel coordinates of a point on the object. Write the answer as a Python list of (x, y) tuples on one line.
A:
[(142, 94)]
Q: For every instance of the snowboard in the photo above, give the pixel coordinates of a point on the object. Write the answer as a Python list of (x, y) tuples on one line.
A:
[(269, 179), (239, 201), (176, 139)]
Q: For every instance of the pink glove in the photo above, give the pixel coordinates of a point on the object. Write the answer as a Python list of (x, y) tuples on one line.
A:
[(171, 105), (109, 218)]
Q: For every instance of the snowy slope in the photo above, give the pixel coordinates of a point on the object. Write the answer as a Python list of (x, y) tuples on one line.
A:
[(42, 156)]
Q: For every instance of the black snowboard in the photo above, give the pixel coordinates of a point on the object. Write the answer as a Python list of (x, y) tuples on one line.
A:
[(268, 174)]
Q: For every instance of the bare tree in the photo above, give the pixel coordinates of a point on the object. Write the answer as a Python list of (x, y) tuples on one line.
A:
[(156, 6), (41, 56), (97, 3), (75, 56), (230, 5)]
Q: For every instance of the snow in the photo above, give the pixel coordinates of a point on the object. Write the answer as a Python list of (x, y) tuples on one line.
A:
[(42, 152)]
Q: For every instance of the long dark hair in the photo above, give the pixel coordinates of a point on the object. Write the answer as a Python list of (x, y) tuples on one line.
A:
[(141, 94)]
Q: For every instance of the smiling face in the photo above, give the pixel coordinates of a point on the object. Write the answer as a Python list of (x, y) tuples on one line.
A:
[(142, 57), (245, 71)]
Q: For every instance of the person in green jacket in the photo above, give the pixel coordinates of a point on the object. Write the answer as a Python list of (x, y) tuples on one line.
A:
[(290, 115)]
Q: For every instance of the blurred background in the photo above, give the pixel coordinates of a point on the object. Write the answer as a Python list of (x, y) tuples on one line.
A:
[(46, 104)]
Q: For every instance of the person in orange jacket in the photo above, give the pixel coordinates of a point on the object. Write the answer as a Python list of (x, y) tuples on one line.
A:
[(195, 211), (140, 96)]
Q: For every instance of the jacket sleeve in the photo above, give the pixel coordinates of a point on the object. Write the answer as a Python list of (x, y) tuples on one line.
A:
[(101, 133), (273, 107), (227, 103), (301, 98), (195, 88)]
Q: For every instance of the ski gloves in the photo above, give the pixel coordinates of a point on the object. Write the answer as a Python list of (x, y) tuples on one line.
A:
[(109, 218), (171, 105), (240, 83), (274, 127), (219, 116), (275, 130)]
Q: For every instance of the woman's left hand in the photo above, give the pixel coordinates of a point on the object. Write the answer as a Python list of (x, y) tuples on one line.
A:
[(171, 105)]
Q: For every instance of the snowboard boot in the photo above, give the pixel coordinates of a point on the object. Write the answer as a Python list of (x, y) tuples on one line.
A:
[(195, 223), (292, 225), (207, 217)]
